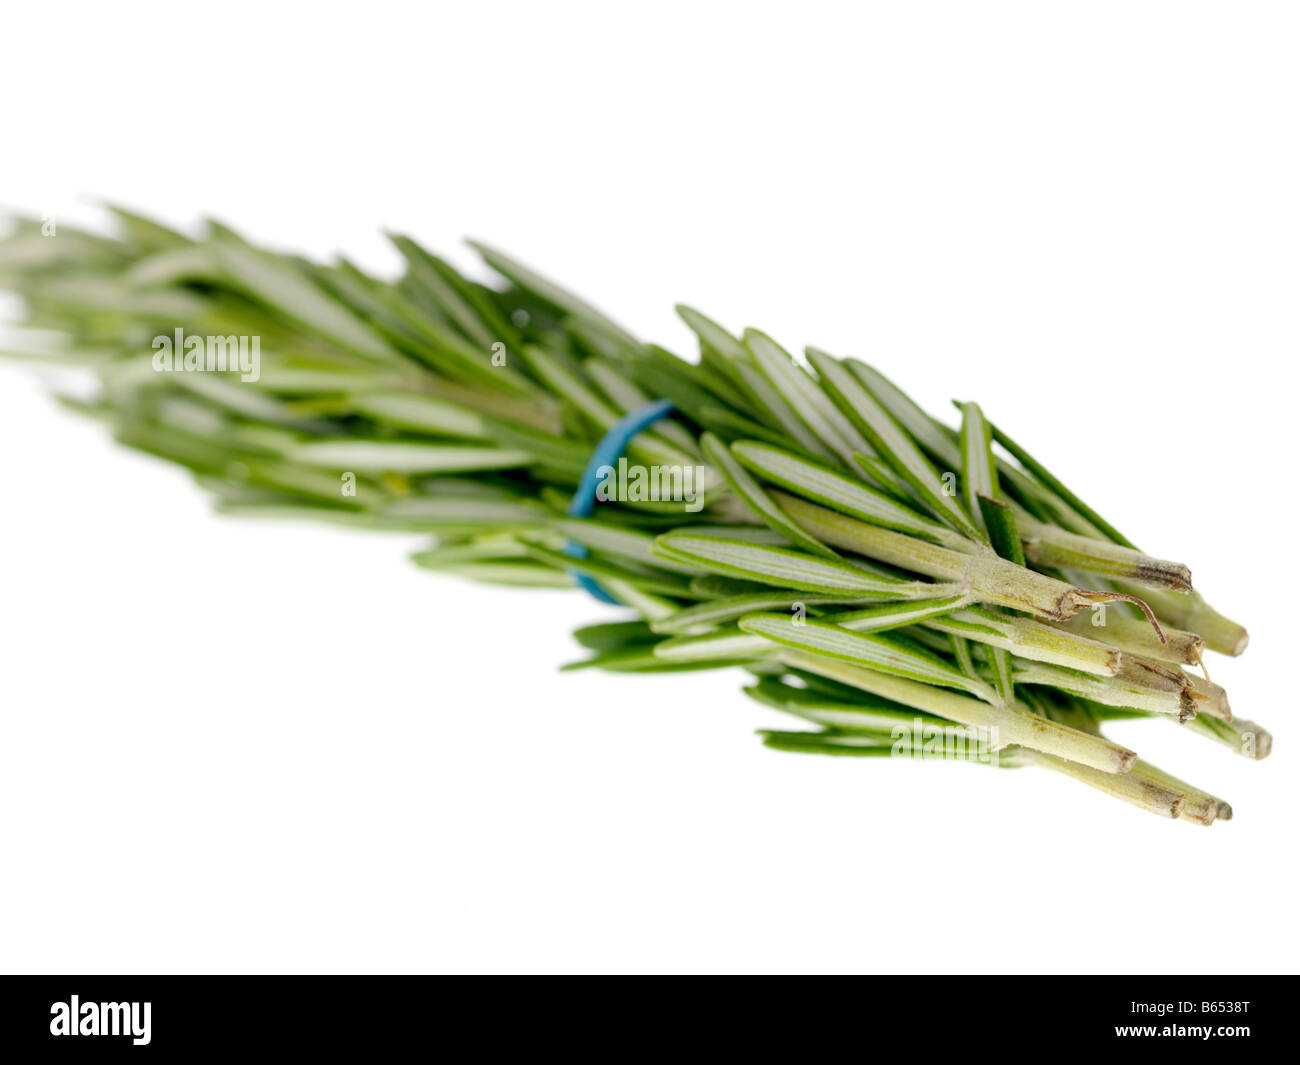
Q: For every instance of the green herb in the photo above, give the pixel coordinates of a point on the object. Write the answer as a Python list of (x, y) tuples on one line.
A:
[(900, 586)]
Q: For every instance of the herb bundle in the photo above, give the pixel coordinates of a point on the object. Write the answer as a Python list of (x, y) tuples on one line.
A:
[(898, 585)]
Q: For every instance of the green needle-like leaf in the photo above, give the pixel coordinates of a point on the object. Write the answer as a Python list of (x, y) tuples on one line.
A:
[(758, 501), (780, 415), (531, 281), (611, 635), (399, 456), (284, 288), (892, 442), (710, 333), (833, 490), (600, 568), (428, 414), (1000, 521), (720, 611), (940, 445), (882, 653), (784, 568), (978, 474), (810, 404), (423, 270), (1044, 475), (631, 544)]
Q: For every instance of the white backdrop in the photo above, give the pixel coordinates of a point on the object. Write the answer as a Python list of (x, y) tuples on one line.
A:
[(230, 747)]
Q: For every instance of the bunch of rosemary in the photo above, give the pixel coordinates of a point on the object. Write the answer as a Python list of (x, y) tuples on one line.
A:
[(902, 586)]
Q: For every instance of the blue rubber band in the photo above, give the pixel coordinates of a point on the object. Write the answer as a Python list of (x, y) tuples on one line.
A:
[(607, 453)]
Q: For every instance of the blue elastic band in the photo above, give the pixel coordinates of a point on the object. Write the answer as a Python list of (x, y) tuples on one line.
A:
[(607, 453)]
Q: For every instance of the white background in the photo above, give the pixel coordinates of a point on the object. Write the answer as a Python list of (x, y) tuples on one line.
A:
[(229, 747)]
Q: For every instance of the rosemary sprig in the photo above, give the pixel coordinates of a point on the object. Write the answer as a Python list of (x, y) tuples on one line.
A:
[(901, 585)]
